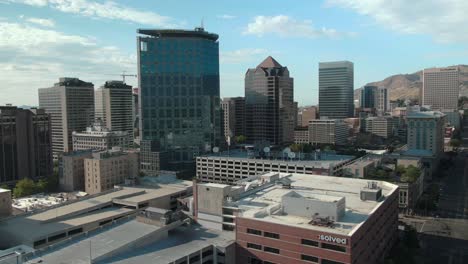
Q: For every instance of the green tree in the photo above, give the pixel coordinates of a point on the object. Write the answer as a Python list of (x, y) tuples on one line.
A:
[(24, 187), (400, 169), (4, 186), (455, 142), (411, 174), (42, 185), (296, 147), (240, 139)]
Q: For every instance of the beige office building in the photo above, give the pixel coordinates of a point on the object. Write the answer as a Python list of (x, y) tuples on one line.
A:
[(108, 168), (72, 173), (70, 103), (426, 132), (5, 202), (379, 126), (305, 115), (114, 106), (328, 131), (99, 137), (441, 88)]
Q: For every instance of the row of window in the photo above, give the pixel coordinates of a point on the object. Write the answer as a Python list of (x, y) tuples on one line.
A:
[(305, 257), (265, 234), (265, 248)]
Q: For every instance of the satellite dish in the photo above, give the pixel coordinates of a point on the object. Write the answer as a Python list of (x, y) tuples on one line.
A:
[(266, 149), (215, 149), (291, 155)]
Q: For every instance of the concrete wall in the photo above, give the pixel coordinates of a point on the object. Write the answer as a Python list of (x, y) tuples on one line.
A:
[(211, 199), (307, 207)]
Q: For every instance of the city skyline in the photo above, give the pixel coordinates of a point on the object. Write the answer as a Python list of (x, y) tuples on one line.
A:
[(78, 39)]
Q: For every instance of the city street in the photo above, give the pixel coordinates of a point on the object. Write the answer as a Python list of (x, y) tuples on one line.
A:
[(444, 238)]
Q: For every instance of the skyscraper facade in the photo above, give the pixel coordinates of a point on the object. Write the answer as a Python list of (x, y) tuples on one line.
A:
[(269, 102), (178, 74), (336, 89), (70, 104), (25, 144), (234, 117), (114, 106), (441, 88), (376, 98)]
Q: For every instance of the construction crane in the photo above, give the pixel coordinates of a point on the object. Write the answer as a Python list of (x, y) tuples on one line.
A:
[(124, 75), (127, 75)]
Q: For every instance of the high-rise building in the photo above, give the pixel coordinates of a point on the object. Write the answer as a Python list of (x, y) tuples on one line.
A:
[(25, 144), (305, 115), (328, 131), (99, 137), (178, 74), (234, 117), (114, 106), (426, 132), (441, 88), (108, 168), (269, 102), (376, 98), (380, 126), (336, 89), (70, 104)]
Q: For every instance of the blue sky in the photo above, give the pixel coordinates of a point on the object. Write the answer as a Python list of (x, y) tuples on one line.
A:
[(42, 40)]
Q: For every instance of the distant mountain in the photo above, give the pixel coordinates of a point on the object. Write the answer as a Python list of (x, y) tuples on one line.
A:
[(408, 86)]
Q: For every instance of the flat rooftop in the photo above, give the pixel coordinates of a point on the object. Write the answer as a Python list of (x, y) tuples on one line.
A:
[(324, 188), (318, 160), (180, 242), (3, 190)]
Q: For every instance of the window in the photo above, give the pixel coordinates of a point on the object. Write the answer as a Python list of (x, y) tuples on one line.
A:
[(271, 235), (327, 261), (309, 258), (254, 246), (194, 259), (333, 247), (254, 231), (310, 242), (271, 250)]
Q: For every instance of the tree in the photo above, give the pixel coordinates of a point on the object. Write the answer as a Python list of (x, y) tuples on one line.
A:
[(240, 139), (400, 169), (411, 174), (24, 187), (296, 147), (455, 143)]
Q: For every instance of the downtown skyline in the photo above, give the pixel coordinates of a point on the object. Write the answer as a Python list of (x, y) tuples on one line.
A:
[(95, 41)]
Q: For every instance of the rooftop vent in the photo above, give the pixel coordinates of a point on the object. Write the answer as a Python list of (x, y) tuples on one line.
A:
[(318, 220), (371, 192)]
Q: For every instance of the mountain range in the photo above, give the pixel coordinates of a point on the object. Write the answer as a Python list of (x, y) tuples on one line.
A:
[(408, 86)]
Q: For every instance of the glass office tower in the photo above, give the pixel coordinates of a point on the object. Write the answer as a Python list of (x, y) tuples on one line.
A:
[(178, 74)]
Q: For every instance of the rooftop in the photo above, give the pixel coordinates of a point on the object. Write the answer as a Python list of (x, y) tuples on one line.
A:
[(179, 33), (4, 190), (265, 204), (425, 114), (269, 62), (317, 159)]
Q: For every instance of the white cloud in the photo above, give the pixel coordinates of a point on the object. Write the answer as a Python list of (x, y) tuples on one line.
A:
[(107, 10), (285, 26), (225, 16), (41, 22), (240, 55), (444, 20), (32, 57)]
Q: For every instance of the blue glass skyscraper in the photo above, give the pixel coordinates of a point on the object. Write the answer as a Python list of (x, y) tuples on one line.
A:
[(178, 74)]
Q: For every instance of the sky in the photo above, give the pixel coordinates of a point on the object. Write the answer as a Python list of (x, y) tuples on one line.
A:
[(42, 40)]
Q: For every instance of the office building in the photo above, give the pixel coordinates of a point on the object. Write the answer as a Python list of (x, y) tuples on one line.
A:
[(234, 117), (305, 115), (230, 167), (383, 127), (5, 203), (269, 102), (426, 132), (328, 131), (70, 104), (178, 75), (336, 89), (99, 137), (72, 172), (108, 168), (114, 106), (375, 98), (25, 144), (441, 88), (297, 218), (301, 135)]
